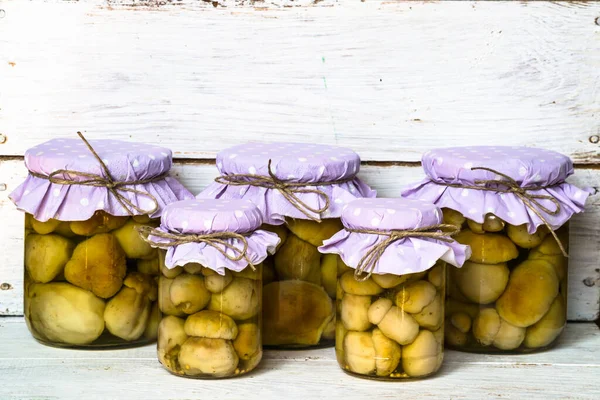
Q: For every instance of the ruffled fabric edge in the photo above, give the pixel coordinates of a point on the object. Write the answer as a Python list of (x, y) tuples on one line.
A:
[(476, 204), (405, 256), (260, 244), (275, 208), (45, 200)]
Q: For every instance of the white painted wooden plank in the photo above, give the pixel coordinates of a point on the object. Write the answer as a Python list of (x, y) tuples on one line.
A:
[(36, 371), (584, 276), (390, 79)]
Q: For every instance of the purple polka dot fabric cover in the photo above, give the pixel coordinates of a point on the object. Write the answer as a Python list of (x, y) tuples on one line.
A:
[(530, 167), (298, 162), (204, 216), (404, 256), (126, 161)]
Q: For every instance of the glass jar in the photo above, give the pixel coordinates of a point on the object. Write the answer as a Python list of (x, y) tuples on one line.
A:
[(512, 206), (90, 279), (211, 323), (300, 190), (511, 296), (210, 287), (390, 319), (90, 283)]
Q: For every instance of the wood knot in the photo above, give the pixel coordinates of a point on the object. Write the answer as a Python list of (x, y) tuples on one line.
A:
[(594, 139), (6, 286)]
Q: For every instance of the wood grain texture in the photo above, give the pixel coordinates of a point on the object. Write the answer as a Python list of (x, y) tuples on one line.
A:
[(569, 371), (584, 277), (389, 79)]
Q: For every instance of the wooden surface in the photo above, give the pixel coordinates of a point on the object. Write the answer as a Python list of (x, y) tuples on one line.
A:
[(30, 370), (388, 78)]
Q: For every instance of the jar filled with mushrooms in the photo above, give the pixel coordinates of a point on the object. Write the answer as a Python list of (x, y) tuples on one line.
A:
[(390, 298), (90, 280), (513, 206), (300, 190), (210, 286)]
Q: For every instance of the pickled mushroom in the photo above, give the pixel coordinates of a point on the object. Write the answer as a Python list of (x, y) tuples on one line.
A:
[(151, 331), (101, 222), (249, 273), (360, 352), (388, 281), (63, 313), (522, 238), (461, 321), (150, 267), (488, 248), (399, 326), (492, 223), (171, 335), (193, 268), (531, 289), (164, 298), (46, 256), (486, 326), (167, 272), (279, 230), (415, 296), (509, 337), (355, 310), (295, 312), (142, 219), (432, 316), (64, 229), (127, 314), (436, 276), (211, 324), (365, 288), (240, 299), (549, 246), (297, 259), (454, 306), (342, 268), (329, 330), (453, 336), (329, 264), (476, 227), (247, 343), (131, 241), (43, 228), (98, 264), (481, 283), (387, 353), (215, 357), (423, 356), (379, 309), (340, 334), (558, 261), (547, 329), (188, 293), (314, 232), (453, 217), (143, 284), (217, 283)]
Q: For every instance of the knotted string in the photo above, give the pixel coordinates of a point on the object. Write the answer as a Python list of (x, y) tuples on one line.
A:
[(116, 188), (289, 189), (531, 201), (217, 240), (367, 263)]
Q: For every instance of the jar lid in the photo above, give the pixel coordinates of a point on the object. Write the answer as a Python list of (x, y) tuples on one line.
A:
[(328, 172), (189, 219), (71, 200), (405, 255), (455, 180)]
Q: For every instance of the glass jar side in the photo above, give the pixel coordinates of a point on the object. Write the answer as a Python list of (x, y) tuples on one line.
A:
[(391, 327), (511, 296), (90, 284)]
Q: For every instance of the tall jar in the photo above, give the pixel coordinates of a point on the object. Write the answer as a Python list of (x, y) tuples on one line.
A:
[(210, 287), (513, 206), (90, 280), (390, 304), (300, 189)]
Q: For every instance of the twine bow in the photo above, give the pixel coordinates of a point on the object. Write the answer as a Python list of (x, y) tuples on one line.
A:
[(217, 240), (531, 201), (367, 263), (116, 188), (289, 189)]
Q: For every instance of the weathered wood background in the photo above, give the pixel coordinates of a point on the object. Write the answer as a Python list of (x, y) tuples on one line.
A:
[(389, 79)]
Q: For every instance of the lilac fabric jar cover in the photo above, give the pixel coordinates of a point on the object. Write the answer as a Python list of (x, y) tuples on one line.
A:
[(405, 256), (126, 161), (528, 166), (297, 162), (204, 216)]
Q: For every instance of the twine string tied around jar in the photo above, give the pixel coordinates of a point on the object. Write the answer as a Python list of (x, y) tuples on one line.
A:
[(367, 263)]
